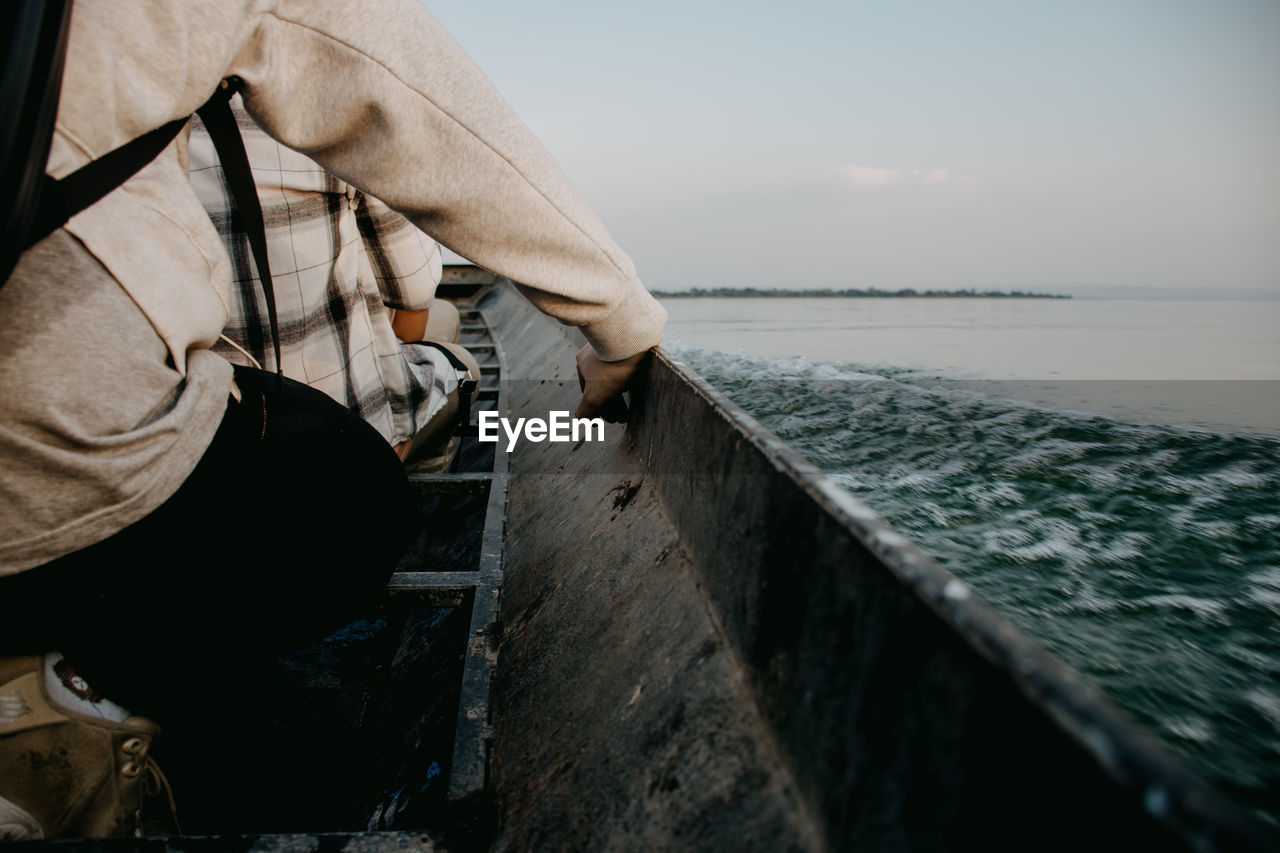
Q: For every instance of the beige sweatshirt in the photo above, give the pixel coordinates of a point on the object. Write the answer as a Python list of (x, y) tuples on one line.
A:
[(377, 93)]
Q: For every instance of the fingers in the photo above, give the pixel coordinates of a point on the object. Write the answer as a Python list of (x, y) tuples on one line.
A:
[(602, 384), (613, 409)]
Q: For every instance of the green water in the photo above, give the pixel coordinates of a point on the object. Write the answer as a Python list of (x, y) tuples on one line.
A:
[(1146, 557)]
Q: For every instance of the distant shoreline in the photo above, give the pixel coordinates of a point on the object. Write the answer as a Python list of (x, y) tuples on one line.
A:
[(850, 293)]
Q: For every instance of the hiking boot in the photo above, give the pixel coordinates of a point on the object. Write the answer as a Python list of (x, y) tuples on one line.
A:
[(65, 774)]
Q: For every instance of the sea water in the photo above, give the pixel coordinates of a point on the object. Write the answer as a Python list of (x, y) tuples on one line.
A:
[(1105, 474)]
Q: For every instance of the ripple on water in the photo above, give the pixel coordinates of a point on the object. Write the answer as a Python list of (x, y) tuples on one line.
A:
[(1268, 597), (1206, 609), (1266, 701), (1195, 729)]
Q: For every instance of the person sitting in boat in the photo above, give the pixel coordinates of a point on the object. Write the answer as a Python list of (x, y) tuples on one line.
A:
[(338, 256), (173, 522)]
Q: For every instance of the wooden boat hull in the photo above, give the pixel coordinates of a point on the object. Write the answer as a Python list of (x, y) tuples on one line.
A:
[(708, 644)]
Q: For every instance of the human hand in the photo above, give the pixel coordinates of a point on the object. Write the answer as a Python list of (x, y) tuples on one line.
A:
[(602, 384), (409, 326)]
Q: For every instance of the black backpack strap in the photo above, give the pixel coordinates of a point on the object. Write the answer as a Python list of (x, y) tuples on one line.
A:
[(466, 387), (33, 37), (62, 199), (227, 141)]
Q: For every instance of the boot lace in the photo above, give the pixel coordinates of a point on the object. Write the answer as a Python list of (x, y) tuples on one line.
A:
[(155, 783)]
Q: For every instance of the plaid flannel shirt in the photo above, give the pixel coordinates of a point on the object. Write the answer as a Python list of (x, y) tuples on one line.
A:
[(338, 259)]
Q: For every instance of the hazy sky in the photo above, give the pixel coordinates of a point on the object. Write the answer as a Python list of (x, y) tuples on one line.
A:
[(1019, 144)]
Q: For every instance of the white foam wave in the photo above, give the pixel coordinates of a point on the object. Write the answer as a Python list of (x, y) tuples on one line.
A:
[(1049, 453), (1207, 609), (1266, 701), (740, 364), (1196, 729)]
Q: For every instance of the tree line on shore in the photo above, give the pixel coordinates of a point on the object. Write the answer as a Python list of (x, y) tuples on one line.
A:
[(907, 292)]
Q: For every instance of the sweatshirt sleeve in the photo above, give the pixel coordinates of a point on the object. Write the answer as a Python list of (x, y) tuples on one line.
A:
[(382, 96)]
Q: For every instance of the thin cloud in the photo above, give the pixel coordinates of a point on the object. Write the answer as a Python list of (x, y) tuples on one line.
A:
[(874, 176), (870, 176)]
